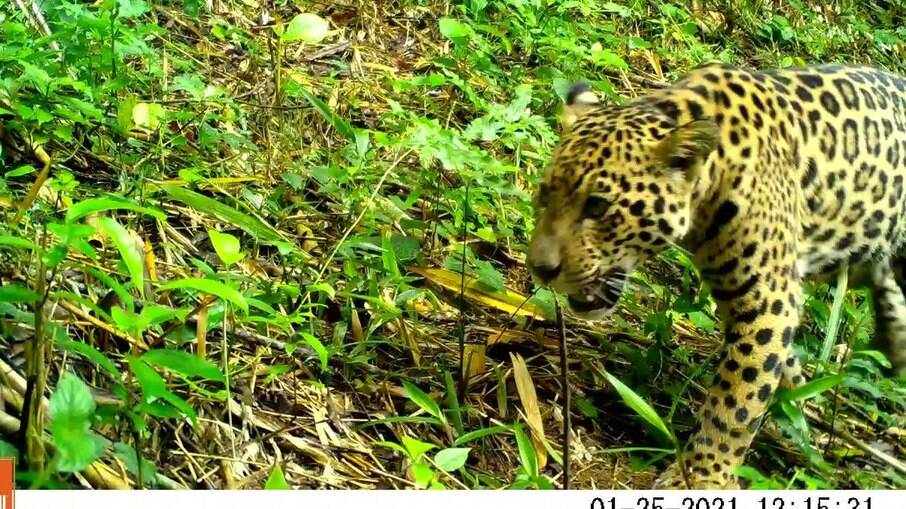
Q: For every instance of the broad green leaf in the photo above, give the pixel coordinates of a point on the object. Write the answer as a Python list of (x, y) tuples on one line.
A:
[(319, 348), (227, 247), (276, 480), (795, 415), (127, 454), (17, 293), (183, 363), (452, 459), (151, 384), (481, 433), (639, 405), (424, 401), (812, 388), (148, 115), (339, 123), (95, 205), (206, 205), (306, 27), (416, 448), (322, 287), (212, 287), (422, 474), (453, 29), (8, 450), (20, 171), (527, 454), (16, 242), (393, 445), (90, 353), (71, 410), (153, 387), (129, 251)]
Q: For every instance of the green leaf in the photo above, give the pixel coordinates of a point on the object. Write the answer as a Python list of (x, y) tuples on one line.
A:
[(452, 459), (795, 415), (639, 405), (8, 450), (527, 454), (151, 384), (224, 212), (306, 27), (388, 256), (489, 276), (453, 29), (154, 387), (18, 294), (227, 247), (16, 242), (481, 433), (71, 409), (422, 474), (90, 353), (812, 388), (184, 363), (339, 123), (148, 115), (324, 288), (95, 205), (212, 287), (424, 401), (276, 480), (129, 251), (319, 348), (416, 448), (20, 171), (128, 455)]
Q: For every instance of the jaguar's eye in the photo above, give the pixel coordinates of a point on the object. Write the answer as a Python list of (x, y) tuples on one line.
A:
[(595, 207)]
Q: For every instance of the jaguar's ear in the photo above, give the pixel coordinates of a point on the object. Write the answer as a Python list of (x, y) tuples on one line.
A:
[(579, 100), (687, 146)]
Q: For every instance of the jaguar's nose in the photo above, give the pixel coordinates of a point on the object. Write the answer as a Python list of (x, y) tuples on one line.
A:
[(546, 271)]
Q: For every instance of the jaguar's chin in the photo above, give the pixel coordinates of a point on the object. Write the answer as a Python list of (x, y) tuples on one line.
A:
[(598, 300)]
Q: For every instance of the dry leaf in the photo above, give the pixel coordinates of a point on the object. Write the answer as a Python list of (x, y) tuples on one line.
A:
[(475, 357), (529, 398), (508, 301)]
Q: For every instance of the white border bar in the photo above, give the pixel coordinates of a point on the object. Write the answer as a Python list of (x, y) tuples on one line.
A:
[(461, 499)]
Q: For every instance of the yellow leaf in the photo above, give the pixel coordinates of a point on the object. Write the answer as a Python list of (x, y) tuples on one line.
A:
[(474, 355), (147, 115), (529, 398), (506, 300)]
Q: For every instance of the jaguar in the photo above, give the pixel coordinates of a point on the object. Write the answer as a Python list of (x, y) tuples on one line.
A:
[(767, 178)]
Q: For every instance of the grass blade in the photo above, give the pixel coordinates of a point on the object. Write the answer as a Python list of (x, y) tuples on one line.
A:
[(212, 287), (640, 406), (206, 205)]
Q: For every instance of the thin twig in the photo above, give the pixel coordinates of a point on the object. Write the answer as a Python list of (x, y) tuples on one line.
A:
[(564, 387)]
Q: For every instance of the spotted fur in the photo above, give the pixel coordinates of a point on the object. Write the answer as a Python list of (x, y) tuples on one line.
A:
[(766, 178)]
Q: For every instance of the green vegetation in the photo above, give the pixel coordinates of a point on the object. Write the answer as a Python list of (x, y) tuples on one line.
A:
[(231, 245)]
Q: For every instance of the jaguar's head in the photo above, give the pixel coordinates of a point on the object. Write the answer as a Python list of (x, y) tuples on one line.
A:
[(616, 191)]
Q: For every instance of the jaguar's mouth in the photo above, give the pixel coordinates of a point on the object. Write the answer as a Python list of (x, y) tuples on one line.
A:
[(597, 300)]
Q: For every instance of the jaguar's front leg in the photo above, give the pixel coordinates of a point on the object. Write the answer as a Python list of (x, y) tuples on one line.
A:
[(760, 314)]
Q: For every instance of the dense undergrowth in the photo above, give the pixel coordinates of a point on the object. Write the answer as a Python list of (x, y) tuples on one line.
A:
[(232, 240)]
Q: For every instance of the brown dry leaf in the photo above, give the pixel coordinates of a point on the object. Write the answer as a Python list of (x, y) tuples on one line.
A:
[(355, 325), (475, 356), (508, 301), (410, 342), (201, 330), (529, 398)]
